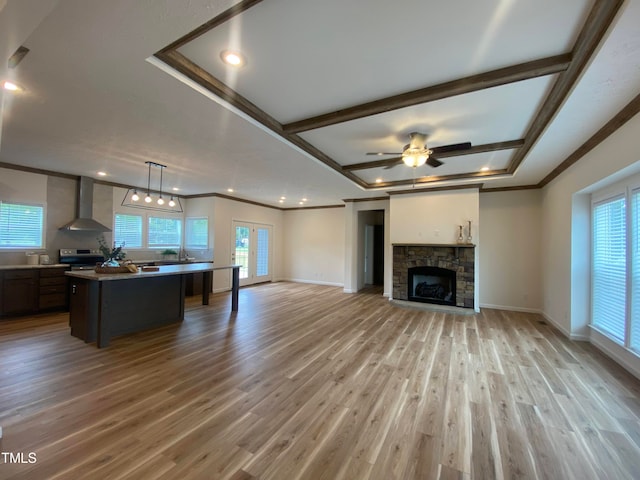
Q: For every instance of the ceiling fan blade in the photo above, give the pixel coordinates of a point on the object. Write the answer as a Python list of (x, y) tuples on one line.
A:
[(451, 148), (433, 162), (383, 153)]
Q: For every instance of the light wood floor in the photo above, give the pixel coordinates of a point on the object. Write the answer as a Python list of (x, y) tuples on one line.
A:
[(308, 382)]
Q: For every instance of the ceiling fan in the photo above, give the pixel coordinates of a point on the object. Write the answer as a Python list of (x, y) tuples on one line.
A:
[(416, 153)]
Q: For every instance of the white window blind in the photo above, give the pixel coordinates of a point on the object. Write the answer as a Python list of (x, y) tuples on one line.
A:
[(635, 271), (128, 230), (609, 267), (164, 232), (21, 225), (262, 256), (197, 232)]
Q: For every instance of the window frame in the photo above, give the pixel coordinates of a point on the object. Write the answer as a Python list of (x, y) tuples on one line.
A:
[(627, 189), (43, 228)]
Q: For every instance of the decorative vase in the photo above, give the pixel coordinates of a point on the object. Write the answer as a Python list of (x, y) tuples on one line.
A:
[(469, 237), (460, 236)]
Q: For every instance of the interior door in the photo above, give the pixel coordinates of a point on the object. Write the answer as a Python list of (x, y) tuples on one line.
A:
[(252, 250)]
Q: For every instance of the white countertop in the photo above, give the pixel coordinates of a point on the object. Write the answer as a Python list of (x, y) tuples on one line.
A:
[(25, 267), (163, 271)]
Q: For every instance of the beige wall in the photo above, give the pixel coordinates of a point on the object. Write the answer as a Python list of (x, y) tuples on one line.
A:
[(314, 246), (510, 270), (565, 247)]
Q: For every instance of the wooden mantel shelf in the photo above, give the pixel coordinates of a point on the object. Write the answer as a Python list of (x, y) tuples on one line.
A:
[(451, 245)]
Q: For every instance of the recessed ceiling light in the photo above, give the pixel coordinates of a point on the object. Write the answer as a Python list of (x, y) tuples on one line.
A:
[(10, 86), (378, 180), (175, 189), (281, 201), (301, 203), (283, 198), (235, 59), (484, 169), (230, 190), (304, 199), (102, 174)]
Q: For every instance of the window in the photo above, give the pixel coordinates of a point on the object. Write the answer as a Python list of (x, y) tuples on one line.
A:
[(635, 270), (21, 225), (128, 230), (609, 267), (615, 303), (197, 232), (164, 232)]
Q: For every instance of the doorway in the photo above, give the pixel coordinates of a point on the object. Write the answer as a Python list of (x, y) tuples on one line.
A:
[(252, 251), (373, 251)]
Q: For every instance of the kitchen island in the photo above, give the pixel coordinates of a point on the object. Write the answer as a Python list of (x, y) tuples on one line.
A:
[(104, 305)]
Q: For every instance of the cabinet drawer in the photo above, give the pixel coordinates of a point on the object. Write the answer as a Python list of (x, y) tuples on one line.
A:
[(20, 274), (53, 281), (52, 301), (48, 289), (52, 272)]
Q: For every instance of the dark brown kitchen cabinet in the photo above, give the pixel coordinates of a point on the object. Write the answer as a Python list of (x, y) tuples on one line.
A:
[(32, 290), (53, 289), (19, 292)]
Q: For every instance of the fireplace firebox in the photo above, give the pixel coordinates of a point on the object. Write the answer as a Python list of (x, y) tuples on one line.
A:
[(432, 285)]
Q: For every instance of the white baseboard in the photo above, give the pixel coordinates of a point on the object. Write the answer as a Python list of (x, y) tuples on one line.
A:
[(313, 282), (613, 354), (571, 336), (513, 309)]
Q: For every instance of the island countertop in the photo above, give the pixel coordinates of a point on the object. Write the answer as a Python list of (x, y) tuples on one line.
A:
[(163, 270)]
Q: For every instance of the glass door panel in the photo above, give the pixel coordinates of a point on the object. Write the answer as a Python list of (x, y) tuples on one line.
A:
[(252, 250), (242, 234)]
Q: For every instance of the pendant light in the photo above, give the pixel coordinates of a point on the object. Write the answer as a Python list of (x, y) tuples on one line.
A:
[(131, 198), (147, 199), (160, 199)]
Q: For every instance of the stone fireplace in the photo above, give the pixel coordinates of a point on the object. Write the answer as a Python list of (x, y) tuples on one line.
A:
[(438, 274)]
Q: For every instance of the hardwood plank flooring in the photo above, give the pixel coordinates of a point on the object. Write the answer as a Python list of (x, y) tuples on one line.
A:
[(307, 382)]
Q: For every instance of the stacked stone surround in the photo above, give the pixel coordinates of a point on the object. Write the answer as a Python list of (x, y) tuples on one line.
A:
[(452, 257)]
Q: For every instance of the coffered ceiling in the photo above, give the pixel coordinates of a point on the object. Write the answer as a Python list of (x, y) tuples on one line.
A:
[(109, 85)]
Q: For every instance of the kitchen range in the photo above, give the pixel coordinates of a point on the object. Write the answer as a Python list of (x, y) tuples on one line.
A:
[(81, 258)]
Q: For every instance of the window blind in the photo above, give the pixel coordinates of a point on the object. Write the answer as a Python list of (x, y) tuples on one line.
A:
[(609, 267), (197, 232), (262, 256), (21, 225), (128, 229), (635, 271), (164, 232)]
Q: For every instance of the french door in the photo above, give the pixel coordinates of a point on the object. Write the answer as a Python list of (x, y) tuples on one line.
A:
[(252, 250)]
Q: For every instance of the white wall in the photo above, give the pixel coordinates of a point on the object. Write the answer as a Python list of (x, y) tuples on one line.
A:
[(225, 212), (434, 217), (510, 269), (314, 246), (563, 216)]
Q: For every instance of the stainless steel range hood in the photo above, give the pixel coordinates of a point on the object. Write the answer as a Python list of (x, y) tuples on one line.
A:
[(84, 221)]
